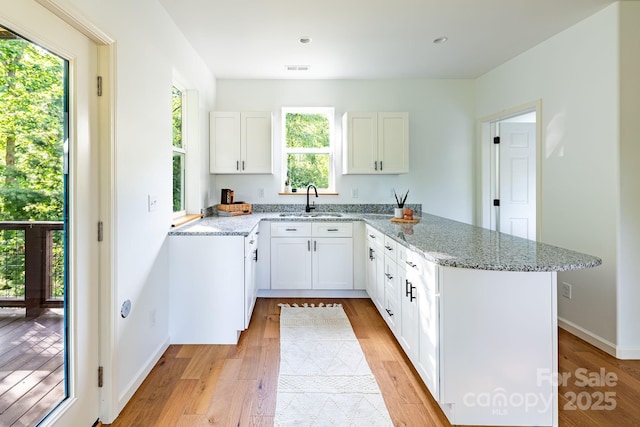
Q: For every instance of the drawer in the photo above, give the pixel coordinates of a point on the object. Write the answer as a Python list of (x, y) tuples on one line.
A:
[(290, 229), (390, 247), (375, 236), (332, 229)]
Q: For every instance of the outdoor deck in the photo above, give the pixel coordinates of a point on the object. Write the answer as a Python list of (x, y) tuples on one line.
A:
[(31, 365)]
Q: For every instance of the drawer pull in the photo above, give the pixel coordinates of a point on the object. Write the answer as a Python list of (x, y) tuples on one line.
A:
[(372, 236), (389, 312), (332, 229), (390, 277), (389, 248), (290, 229), (411, 264)]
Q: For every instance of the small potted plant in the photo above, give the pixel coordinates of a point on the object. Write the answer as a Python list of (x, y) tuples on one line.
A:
[(400, 201)]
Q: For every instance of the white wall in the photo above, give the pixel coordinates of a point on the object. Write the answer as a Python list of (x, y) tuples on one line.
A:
[(629, 232), (575, 74), (148, 50), (441, 133)]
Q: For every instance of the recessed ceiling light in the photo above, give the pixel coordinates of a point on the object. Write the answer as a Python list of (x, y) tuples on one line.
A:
[(440, 40), (305, 40)]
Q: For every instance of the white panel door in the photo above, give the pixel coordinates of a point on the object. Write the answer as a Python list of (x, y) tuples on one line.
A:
[(224, 131), (393, 143), (360, 143), (32, 21), (518, 179), (255, 136), (333, 263), (291, 263)]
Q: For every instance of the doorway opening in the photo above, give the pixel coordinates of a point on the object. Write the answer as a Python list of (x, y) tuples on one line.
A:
[(33, 230), (510, 201)]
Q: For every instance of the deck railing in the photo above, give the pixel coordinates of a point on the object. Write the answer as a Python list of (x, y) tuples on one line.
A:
[(31, 265)]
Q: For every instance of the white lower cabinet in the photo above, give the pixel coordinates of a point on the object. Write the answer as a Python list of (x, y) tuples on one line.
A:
[(212, 288), (483, 342), (307, 255)]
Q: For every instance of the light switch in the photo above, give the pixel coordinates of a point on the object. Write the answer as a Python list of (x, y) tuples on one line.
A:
[(152, 202)]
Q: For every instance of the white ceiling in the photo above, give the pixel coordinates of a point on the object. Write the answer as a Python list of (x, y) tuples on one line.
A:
[(367, 39)]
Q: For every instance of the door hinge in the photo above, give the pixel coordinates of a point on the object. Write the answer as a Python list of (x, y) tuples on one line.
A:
[(496, 202), (100, 231), (99, 85), (496, 140), (100, 376)]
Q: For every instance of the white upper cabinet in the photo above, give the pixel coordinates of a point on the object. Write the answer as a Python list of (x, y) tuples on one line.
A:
[(375, 143), (240, 143)]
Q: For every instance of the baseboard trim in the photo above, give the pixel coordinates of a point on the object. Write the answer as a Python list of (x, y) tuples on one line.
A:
[(311, 293), (137, 380), (588, 336)]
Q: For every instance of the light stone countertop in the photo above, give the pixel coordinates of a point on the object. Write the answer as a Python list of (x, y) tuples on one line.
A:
[(442, 241)]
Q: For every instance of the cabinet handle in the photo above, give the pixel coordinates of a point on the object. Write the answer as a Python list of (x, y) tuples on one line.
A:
[(371, 257), (410, 264), (332, 229), (290, 229), (243, 165), (315, 247), (390, 277), (309, 245), (389, 312), (412, 297), (406, 287), (255, 256), (372, 236), (237, 165), (251, 242), (381, 165), (375, 165), (389, 248)]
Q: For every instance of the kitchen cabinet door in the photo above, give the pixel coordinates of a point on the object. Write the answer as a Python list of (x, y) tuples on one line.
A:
[(410, 321), (291, 263), (424, 275), (360, 141), (332, 263), (375, 143), (393, 143), (256, 143), (224, 134), (240, 142)]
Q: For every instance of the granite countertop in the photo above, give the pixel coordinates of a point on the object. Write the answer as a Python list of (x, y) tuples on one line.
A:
[(442, 241)]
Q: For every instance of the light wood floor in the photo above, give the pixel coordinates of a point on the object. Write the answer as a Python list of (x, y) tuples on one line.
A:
[(220, 385), (31, 366)]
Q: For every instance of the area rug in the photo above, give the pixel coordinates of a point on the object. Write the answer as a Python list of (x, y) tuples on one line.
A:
[(324, 377)]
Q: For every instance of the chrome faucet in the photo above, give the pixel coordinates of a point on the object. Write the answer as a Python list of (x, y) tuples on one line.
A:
[(309, 208)]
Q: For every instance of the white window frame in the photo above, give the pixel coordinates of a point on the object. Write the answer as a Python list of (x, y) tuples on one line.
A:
[(182, 151), (330, 113)]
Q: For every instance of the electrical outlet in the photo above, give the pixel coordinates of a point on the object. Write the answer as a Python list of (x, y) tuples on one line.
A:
[(566, 290), (261, 193), (354, 193)]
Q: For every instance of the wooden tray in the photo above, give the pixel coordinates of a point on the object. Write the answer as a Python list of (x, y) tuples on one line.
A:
[(235, 207), (405, 221)]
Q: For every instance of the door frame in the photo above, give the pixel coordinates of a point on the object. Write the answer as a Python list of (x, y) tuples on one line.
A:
[(486, 129), (108, 405)]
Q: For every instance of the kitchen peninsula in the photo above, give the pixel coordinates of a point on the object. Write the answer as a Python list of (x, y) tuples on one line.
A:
[(475, 310)]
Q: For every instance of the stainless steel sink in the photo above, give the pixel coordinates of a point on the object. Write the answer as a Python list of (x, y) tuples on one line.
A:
[(311, 214)]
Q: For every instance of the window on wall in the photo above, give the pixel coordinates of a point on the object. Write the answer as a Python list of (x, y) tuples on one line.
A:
[(308, 147), (179, 152)]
